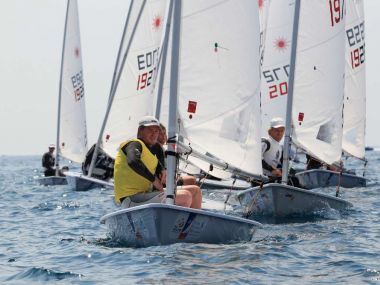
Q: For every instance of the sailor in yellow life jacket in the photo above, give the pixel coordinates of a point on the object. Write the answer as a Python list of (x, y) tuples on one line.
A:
[(139, 171)]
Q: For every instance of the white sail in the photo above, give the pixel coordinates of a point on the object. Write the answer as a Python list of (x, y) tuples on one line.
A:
[(263, 17), (134, 98), (72, 126), (276, 61), (354, 93), (319, 79), (220, 80)]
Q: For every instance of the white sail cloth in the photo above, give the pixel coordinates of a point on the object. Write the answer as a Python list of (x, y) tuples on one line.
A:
[(134, 98), (319, 79), (72, 130), (355, 90), (276, 61), (219, 80)]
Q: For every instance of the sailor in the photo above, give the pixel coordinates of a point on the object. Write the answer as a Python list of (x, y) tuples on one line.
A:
[(271, 149), (138, 174), (182, 179), (48, 161)]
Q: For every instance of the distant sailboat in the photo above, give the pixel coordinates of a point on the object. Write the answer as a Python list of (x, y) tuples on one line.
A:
[(314, 108), (354, 111), (71, 141), (131, 95)]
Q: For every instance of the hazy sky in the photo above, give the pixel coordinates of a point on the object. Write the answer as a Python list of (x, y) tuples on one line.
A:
[(30, 53)]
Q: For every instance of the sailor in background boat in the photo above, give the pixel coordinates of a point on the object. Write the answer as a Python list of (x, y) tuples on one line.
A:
[(271, 149), (48, 161), (139, 176), (183, 179), (313, 163)]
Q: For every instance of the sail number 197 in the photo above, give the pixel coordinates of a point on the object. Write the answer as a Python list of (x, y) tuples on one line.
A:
[(336, 11)]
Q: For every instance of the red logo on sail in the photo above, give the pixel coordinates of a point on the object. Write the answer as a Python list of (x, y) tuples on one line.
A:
[(157, 22), (261, 3), (191, 108), (300, 118), (281, 44)]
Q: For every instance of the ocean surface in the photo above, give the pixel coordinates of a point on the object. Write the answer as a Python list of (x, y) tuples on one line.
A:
[(52, 235)]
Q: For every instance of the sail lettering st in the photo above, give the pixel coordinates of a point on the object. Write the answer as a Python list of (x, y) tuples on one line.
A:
[(279, 78), (147, 64), (77, 82)]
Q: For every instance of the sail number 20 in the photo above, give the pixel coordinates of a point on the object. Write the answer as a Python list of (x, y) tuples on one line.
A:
[(336, 11)]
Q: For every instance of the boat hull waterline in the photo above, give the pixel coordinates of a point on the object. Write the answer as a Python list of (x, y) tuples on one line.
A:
[(317, 178), (52, 180), (162, 224), (80, 182), (277, 200)]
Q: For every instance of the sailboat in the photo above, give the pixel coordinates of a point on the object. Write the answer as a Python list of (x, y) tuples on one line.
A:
[(71, 140), (353, 140), (314, 109), (204, 49), (127, 103)]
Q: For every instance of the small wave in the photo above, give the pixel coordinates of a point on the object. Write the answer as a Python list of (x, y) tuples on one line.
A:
[(43, 274), (49, 206)]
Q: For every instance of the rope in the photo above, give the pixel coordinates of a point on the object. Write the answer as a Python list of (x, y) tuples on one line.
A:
[(229, 195), (339, 179), (249, 212), (365, 167)]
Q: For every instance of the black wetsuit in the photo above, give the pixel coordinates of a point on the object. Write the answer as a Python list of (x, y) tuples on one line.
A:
[(48, 161)]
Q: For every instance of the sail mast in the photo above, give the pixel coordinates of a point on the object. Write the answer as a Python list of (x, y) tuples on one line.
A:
[(60, 94), (172, 141), (113, 89), (162, 61), (289, 104)]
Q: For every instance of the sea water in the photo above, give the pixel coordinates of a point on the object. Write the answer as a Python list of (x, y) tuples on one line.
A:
[(52, 235)]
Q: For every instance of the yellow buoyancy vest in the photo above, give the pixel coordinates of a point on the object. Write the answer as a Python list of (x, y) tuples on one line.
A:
[(126, 181)]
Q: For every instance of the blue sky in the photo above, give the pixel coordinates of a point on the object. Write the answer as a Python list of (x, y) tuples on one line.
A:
[(30, 51)]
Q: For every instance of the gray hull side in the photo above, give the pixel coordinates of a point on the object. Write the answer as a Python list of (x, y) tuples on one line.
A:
[(225, 184), (317, 178), (79, 182), (279, 200), (52, 180), (161, 224)]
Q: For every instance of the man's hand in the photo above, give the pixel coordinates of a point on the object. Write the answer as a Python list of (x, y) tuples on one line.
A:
[(157, 184), (163, 177), (277, 172)]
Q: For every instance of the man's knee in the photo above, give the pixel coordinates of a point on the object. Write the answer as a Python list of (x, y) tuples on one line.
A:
[(184, 198)]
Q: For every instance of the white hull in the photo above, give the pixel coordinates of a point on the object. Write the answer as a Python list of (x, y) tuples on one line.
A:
[(52, 180), (161, 224), (316, 178), (277, 200), (225, 184), (80, 182)]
